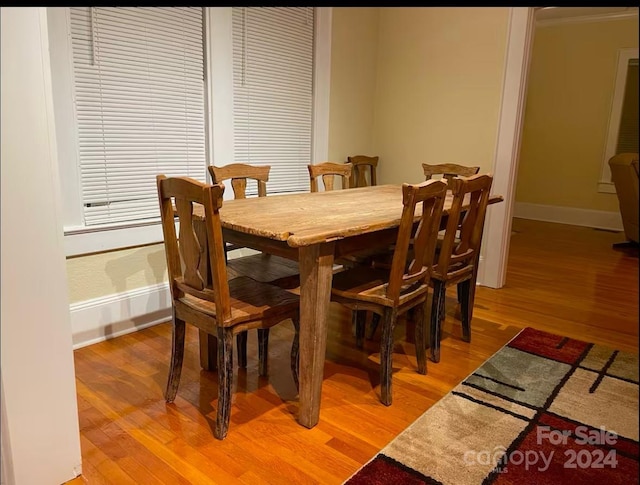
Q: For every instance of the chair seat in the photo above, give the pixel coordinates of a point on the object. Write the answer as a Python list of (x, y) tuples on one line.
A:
[(250, 300), (368, 285), (365, 257)]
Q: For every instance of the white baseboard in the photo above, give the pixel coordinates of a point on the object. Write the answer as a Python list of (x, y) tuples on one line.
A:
[(480, 276), (110, 316), (569, 215)]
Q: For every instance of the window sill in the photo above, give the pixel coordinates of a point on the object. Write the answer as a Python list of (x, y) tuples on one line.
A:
[(83, 240), (606, 187)]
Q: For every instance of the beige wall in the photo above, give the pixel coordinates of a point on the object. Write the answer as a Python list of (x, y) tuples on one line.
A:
[(103, 274), (354, 41), (439, 85), (569, 97)]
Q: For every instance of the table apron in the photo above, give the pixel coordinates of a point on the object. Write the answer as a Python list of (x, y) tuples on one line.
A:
[(259, 243)]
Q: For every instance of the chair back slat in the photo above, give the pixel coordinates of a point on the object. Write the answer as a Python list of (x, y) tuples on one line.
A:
[(404, 277), (189, 244), (328, 171), (448, 170), (460, 256), (240, 173), (363, 164), (184, 251)]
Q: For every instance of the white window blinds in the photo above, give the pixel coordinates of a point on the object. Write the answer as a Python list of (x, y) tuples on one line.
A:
[(273, 92), (140, 106)]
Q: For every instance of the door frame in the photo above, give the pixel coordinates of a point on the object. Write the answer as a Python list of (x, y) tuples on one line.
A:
[(497, 231)]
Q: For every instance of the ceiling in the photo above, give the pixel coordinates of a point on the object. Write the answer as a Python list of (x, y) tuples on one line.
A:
[(546, 13)]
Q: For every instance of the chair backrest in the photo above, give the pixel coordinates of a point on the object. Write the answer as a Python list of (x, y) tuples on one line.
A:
[(361, 165), (448, 170), (328, 171), (624, 173), (457, 256), (185, 251), (405, 277), (239, 173)]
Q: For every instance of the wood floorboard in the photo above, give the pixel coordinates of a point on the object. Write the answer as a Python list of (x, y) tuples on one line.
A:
[(562, 279)]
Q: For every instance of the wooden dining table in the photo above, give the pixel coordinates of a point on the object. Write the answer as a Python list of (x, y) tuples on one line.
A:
[(314, 229)]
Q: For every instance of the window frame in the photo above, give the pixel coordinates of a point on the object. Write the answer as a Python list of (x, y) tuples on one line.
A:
[(80, 239), (605, 185)]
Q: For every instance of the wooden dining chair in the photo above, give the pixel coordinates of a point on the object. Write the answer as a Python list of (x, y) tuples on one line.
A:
[(240, 174), (328, 171), (266, 268), (457, 257), (364, 171), (223, 308), (404, 286), (448, 170)]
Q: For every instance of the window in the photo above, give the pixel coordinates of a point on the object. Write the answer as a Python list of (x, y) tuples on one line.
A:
[(273, 92), (622, 135), (628, 131), (139, 102), (142, 91)]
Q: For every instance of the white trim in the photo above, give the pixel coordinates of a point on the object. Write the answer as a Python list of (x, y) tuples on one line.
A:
[(86, 241), (36, 359), (321, 85), (6, 465), (574, 216), (498, 220), (61, 60), (605, 17), (110, 316), (221, 86), (624, 55)]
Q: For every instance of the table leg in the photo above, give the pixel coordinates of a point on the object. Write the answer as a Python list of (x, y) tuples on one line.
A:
[(208, 351), (316, 264)]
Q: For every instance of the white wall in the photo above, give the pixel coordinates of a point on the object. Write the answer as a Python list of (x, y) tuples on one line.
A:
[(40, 432)]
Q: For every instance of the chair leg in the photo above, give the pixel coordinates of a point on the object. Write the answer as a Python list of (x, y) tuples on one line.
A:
[(241, 343), (386, 354), (225, 380), (375, 320), (437, 317), (464, 289), (361, 319), (295, 351), (420, 314), (442, 311), (177, 355), (263, 351), (354, 322)]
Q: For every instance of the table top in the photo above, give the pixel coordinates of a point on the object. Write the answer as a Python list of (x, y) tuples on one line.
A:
[(312, 218)]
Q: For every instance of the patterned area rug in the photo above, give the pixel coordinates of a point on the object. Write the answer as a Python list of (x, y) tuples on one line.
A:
[(544, 409)]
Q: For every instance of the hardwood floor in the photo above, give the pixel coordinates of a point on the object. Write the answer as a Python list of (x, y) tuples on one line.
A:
[(563, 279)]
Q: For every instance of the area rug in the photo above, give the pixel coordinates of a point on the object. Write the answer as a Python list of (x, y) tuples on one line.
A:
[(544, 409)]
